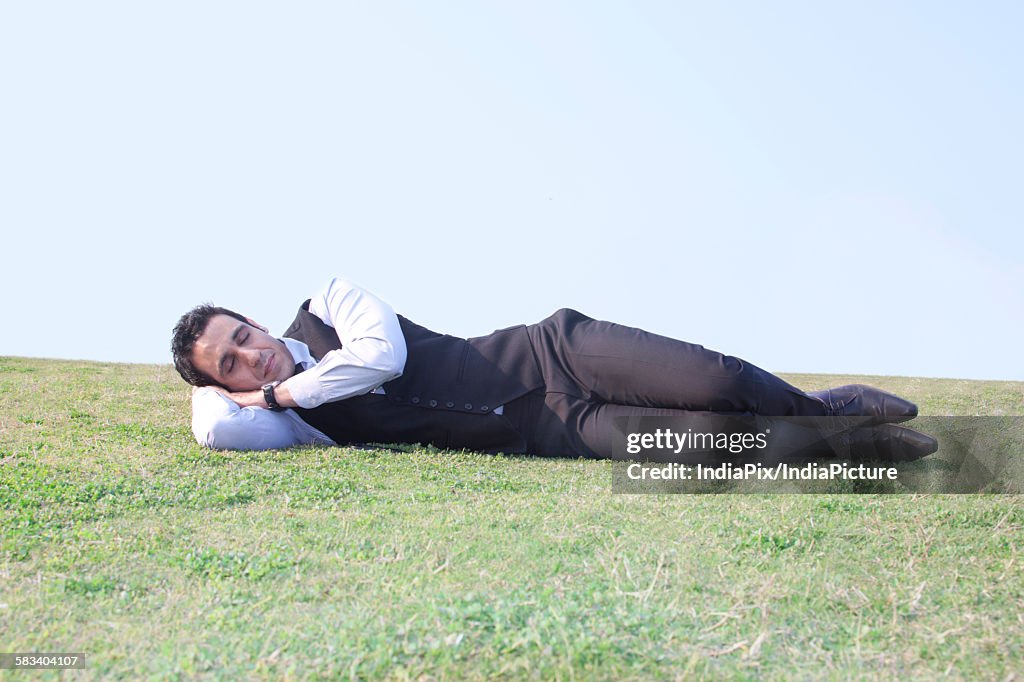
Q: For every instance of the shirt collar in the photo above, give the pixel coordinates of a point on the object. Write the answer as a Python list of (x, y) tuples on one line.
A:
[(300, 352)]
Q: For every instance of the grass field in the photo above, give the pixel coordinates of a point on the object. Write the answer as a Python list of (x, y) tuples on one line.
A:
[(123, 539)]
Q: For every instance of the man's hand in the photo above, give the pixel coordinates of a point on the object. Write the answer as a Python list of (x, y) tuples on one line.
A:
[(255, 398), (243, 399)]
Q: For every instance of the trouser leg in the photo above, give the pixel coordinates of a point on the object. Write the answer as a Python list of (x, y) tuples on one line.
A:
[(607, 362)]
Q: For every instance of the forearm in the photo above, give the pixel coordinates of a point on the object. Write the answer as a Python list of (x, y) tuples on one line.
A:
[(372, 350), (337, 377)]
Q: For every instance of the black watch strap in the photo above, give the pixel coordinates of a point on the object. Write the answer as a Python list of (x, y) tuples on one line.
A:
[(268, 395)]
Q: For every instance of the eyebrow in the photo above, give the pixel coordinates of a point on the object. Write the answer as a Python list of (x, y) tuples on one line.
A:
[(223, 358)]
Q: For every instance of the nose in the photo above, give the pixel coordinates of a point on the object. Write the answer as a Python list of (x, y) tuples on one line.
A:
[(251, 356)]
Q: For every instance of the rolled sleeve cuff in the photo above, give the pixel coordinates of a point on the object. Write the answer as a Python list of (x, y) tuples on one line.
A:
[(307, 390)]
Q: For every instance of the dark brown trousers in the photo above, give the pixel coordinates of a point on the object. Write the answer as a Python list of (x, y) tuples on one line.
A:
[(595, 371)]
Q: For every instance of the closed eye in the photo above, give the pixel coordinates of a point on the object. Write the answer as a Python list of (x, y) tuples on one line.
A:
[(231, 362), (227, 362)]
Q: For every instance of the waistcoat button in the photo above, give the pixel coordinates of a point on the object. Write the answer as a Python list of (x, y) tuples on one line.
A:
[(433, 403), (468, 406), (415, 399), (484, 408), (449, 404)]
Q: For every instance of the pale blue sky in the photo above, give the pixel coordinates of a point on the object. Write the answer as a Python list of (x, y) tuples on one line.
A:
[(814, 187)]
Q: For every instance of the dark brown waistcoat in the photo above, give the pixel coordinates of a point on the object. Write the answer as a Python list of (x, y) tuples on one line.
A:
[(445, 396)]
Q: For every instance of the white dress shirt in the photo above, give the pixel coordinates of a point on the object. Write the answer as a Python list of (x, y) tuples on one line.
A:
[(373, 352)]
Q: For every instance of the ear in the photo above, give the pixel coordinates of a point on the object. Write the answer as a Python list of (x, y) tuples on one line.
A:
[(258, 326)]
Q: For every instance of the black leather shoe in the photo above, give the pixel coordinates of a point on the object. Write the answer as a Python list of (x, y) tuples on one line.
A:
[(858, 400), (885, 443)]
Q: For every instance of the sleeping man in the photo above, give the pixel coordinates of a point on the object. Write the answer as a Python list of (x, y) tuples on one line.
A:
[(349, 370)]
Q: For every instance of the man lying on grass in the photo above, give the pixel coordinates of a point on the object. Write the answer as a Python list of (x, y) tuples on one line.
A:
[(349, 370)]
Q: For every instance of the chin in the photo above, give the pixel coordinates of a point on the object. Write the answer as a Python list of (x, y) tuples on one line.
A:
[(286, 366)]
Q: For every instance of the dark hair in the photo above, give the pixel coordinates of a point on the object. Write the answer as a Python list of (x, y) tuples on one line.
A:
[(189, 328)]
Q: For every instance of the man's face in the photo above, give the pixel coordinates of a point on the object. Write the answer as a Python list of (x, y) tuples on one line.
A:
[(241, 356)]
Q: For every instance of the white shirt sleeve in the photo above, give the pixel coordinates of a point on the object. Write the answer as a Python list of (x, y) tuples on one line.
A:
[(220, 423), (373, 348)]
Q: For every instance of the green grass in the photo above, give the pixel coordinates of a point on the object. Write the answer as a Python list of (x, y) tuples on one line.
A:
[(123, 539)]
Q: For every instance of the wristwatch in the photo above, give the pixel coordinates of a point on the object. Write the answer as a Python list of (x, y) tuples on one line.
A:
[(268, 395)]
